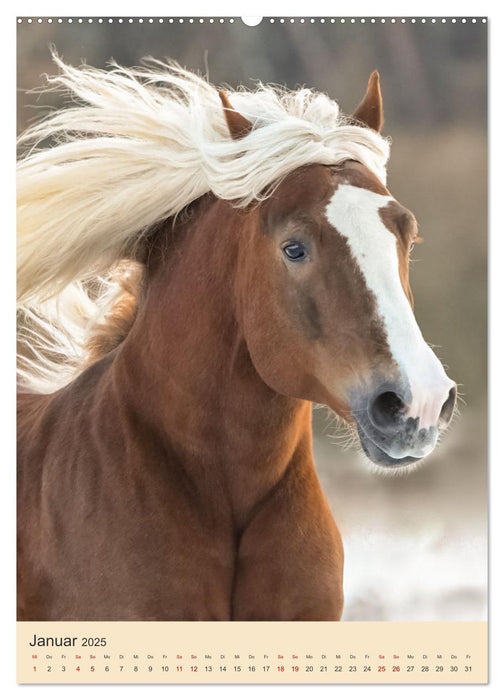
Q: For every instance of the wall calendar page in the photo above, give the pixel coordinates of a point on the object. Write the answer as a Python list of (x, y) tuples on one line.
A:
[(251, 343)]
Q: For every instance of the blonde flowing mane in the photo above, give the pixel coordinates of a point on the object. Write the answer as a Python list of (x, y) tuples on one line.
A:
[(137, 147)]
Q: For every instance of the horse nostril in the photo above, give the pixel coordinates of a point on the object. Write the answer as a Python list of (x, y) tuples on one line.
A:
[(386, 409), (448, 407)]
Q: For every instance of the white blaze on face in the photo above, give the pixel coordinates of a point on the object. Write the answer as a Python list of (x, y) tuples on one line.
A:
[(355, 213)]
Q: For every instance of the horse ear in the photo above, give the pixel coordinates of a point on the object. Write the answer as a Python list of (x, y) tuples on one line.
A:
[(239, 126), (370, 110)]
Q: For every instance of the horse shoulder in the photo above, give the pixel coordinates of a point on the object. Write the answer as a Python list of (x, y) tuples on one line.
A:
[(295, 544)]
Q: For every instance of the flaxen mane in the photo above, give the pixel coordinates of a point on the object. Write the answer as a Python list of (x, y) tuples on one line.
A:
[(135, 148)]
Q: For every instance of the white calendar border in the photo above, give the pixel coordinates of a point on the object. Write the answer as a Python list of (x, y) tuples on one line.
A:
[(257, 8)]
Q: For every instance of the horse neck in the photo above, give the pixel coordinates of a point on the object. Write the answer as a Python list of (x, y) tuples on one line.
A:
[(186, 368)]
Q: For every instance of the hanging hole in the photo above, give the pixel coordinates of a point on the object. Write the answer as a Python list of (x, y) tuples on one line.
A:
[(251, 21)]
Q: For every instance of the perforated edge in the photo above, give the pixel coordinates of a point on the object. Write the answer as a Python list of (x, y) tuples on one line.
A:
[(265, 20)]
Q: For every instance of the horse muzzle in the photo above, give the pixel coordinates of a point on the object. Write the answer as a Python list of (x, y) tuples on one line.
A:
[(396, 426)]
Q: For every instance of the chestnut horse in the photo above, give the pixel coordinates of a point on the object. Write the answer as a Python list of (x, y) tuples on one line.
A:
[(172, 478)]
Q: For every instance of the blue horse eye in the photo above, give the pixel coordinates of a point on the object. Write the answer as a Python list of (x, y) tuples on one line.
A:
[(295, 251)]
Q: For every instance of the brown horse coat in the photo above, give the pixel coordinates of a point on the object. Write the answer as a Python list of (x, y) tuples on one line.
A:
[(168, 481)]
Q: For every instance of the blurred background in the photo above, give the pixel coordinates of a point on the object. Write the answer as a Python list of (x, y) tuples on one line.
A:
[(416, 545)]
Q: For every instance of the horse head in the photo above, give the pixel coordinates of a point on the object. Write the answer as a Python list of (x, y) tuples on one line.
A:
[(326, 307)]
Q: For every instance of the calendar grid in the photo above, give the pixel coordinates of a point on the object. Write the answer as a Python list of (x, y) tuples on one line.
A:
[(308, 652)]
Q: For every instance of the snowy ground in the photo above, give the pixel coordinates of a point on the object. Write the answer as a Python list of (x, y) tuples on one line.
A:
[(415, 545)]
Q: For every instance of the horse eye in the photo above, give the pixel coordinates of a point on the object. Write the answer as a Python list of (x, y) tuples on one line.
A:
[(295, 251)]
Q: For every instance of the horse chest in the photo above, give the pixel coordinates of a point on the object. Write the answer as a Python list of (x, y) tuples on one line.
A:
[(136, 537)]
